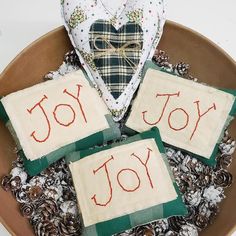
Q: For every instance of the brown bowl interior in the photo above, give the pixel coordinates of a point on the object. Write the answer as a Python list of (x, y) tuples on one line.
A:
[(208, 62)]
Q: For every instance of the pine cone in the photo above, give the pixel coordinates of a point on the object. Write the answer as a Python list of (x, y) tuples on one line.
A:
[(224, 161), (69, 207), (175, 171), (223, 178), (161, 58), (188, 230), (15, 183), (72, 58), (183, 187), (200, 168), (19, 172), (208, 210), (226, 136), (27, 209), (201, 221), (49, 172), (47, 208), (46, 228), (53, 192), (67, 182), (204, 177), (35, 192), (228, 145), (49, 182), (203, 208), (181, 69), (191, 214), (37, 181), (213, 194), (70, 225), (69, 194), (193, 198), (35, 219), (214, 209), (178, 157), (18, 162), (188, 180), (22, 195), (5, 183), (176, 223), (204, 180), (160, 226), (189, 164), (62, 228), (192, 165)]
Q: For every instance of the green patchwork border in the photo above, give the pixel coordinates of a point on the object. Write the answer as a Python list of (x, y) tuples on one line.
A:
[(175, 207), (212, 160)]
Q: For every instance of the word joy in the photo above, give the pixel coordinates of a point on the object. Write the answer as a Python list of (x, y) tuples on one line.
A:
[(121, 181), (63, 107), (186, 116)]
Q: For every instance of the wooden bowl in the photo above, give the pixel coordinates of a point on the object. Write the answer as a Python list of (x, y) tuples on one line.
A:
[(208, 62)]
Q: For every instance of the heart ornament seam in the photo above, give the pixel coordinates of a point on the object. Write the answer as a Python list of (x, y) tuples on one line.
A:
[(113, 44)]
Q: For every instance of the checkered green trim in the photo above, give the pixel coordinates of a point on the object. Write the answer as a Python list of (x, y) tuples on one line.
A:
[(212, 160), (35, 167), (115, 71), (107, 228)]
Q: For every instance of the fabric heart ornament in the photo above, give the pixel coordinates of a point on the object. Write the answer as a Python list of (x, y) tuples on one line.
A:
[(116, 53), (113, 41)]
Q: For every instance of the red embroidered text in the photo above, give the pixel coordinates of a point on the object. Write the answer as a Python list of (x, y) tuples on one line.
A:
[(59, 119), (182, 123)]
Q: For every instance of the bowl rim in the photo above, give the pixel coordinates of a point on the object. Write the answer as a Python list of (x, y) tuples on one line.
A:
[(168, 23)]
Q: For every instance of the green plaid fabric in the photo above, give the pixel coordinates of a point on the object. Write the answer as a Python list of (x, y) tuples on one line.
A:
[(107, 228), (114, 69), (35, 167), (212, 160)]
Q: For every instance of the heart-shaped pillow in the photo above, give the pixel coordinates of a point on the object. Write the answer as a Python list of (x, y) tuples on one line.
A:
[(113, 40), (116, 53)]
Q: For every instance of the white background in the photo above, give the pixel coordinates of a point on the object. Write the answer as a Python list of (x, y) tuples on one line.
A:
[(23, 21)]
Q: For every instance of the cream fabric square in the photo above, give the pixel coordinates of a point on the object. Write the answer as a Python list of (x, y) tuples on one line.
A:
[(53, 114), (189, 115), (121, 180)]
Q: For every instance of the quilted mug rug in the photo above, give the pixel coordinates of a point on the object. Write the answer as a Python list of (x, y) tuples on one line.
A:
[(124, 185), (190, 115), (54, 118), (113, 40)]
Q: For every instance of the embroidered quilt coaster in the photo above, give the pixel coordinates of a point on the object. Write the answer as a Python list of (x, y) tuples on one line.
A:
[(124, 185), (53, 118), (190, 115), (113, 39)]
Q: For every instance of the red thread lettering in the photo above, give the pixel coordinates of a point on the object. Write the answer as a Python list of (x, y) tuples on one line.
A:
[(122, 186), (77, 99), (46, 117), (94, 198), (201, 115), (164, 108), (56, 118), (187, 119), (145, 165)]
